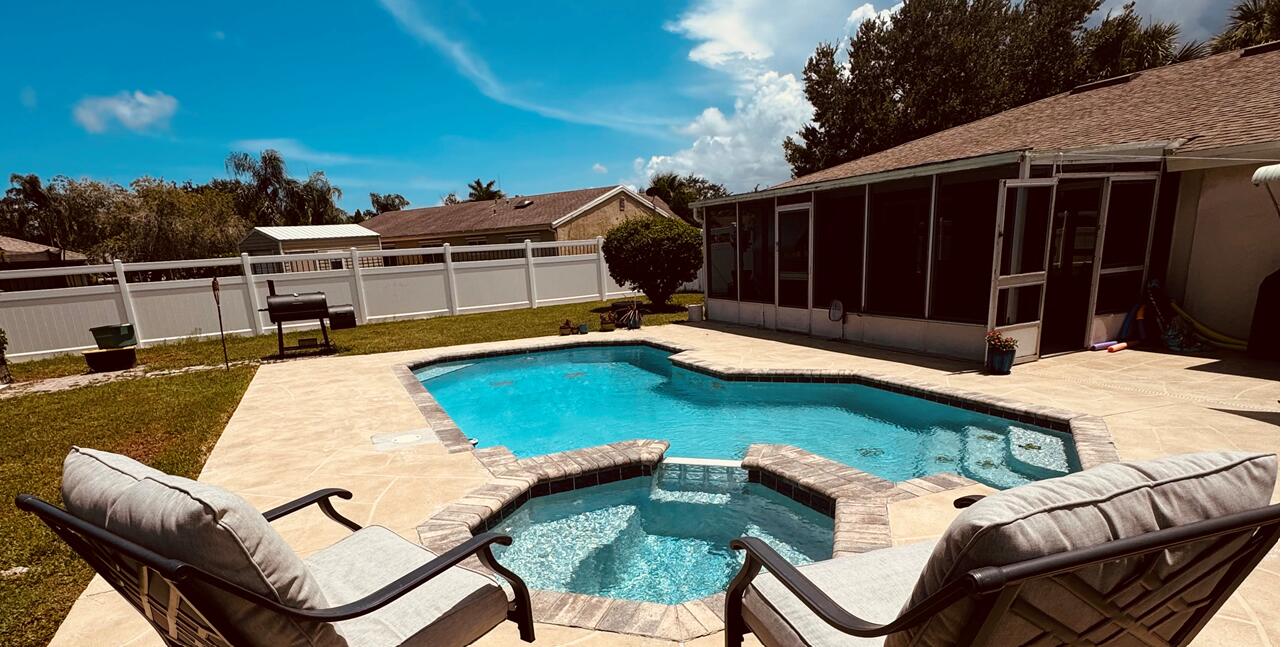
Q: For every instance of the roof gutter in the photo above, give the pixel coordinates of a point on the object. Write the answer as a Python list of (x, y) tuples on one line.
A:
[(963, 164)]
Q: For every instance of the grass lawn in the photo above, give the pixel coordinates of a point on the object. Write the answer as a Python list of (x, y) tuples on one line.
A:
[(171, 423), (369, 338)]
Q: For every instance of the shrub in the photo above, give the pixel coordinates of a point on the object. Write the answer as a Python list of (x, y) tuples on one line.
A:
[(996, 341), (654, 255)]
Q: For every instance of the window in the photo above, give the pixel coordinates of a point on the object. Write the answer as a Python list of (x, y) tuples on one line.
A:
[(965, 219), (476, 241), (720, 222), (757, 251), (898, 224), (621, 204), (1130, 208), (839, 247)]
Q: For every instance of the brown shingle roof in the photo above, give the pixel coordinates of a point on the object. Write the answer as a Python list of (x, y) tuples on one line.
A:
[(13, 248), (489, 215), (1214, 102)]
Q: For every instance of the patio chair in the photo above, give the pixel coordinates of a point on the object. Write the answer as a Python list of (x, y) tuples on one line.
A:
[(1122, 554), (205, 568)]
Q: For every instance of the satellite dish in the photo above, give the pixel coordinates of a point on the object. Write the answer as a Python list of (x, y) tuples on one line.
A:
[(837, 313)]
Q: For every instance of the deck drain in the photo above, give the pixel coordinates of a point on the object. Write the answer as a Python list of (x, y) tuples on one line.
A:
[(392, 441)]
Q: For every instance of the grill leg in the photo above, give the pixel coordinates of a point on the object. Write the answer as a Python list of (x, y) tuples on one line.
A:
[(325, 334), (280, 339)]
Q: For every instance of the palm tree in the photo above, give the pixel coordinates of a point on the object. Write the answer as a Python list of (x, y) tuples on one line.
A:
[(477, 191), (266, 185), (384, 202), (1251, 22)]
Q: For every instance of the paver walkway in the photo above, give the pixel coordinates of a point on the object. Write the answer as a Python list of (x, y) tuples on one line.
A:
[(310, 424)]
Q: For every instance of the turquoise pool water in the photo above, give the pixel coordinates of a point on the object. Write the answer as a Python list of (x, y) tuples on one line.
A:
[(551, 401), (659, 539)]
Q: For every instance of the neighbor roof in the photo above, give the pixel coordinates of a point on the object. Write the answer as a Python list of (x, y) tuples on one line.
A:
[(1215, 102), (314, 232), (14, 249), (543, 210)]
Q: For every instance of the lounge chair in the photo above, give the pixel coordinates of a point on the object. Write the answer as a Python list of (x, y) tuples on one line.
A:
[(1122, 554), (205, 568)]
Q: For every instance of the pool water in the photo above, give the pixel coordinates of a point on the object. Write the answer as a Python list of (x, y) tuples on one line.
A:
[(551, 401), (659, 539)]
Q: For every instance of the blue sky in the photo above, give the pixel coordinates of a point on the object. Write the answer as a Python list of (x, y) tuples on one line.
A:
[(419, 97)]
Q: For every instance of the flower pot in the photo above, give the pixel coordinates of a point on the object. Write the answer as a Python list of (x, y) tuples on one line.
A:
[(607, 326), (1000, 361), (565, 330), (583, 329)]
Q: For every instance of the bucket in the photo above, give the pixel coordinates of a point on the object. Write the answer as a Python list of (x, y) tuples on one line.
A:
[(694, 312)]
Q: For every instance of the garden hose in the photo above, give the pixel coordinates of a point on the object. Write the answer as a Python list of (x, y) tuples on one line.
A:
[(1216, 338)]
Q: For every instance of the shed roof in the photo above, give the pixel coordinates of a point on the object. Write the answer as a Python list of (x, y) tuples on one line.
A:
[(1216, 102), (17, 248), (315, 232)]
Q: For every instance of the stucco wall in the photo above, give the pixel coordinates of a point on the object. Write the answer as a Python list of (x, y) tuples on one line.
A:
[(601, 218), (1225, 243)]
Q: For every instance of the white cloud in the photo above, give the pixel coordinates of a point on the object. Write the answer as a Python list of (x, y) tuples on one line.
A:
[(866, 12), (218, 35), (1198, 19), (476, 70), (295, 151), (27, 97), (599, 168), (136, 111)]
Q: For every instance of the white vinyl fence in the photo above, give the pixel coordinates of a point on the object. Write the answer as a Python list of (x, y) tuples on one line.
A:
[(442, 281)]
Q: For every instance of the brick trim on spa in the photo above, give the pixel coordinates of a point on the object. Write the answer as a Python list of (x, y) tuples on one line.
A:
[(1092, 441)]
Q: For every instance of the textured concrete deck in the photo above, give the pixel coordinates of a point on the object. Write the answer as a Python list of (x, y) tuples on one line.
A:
[(310, 424)]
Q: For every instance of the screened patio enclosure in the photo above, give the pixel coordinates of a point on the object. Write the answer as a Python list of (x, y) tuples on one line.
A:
[(1052, 253)]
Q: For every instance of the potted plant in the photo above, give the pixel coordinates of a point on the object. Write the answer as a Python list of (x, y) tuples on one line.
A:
[(1001, 352), (566, 328), (583, 329), (5, 376), (607, 321)]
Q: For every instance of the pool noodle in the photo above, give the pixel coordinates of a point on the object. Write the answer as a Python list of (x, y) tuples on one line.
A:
[(1103, 345), (1116, 347)]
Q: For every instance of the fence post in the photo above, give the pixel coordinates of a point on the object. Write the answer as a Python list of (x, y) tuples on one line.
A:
[(600, 266), (451, 289), (127, 301), (251, 292), (531, 288), (359, 285)]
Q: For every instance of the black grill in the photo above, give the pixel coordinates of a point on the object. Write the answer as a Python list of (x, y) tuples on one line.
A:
[(284, 308)]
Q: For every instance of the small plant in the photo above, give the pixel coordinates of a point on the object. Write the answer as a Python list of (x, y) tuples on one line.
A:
[(654, 255), (996, 341), (5, 376), (607, 321)]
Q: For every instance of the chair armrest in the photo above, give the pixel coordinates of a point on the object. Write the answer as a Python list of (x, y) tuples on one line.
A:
[(966, 501), (759, 554), (478, 545), (320, 498)]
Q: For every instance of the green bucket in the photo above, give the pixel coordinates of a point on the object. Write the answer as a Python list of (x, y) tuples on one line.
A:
[(116, 336)]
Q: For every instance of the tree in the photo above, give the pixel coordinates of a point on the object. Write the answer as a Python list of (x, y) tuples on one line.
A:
[(654, 255), (680, 190), (269, 196), (160, 220), (384, 202), (451, 198), (477, 191), (1251, 22), (936, 64)]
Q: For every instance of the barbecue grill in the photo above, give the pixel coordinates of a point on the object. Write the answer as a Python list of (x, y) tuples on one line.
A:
[(284, 308)]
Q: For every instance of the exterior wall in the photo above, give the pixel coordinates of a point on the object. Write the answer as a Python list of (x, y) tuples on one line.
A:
[(327, 245), (1225, 243), (257, 243), (601, 218)]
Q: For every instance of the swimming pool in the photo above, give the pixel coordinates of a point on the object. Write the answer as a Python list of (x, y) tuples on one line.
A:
[(658, 539), (551, 401)]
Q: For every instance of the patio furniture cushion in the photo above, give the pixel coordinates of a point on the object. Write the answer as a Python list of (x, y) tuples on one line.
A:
[(870, 585), (206, 527), (454, 608), (1089, 508)]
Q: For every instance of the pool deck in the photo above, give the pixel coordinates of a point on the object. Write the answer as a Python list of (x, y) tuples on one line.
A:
[(328, 422)]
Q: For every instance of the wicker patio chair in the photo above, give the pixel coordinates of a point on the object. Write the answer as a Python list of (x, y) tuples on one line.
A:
[(1123, 554), (204, 568)]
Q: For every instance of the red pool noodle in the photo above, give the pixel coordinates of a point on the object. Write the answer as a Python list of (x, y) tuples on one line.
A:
[(1116, 347)]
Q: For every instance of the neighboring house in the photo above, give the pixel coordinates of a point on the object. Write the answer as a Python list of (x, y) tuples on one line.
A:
[(306, 239), (18, 254), (1045, 221), (565, 215)]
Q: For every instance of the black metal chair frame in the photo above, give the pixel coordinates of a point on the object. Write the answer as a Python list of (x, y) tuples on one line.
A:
[(104, 551), (995, 590)]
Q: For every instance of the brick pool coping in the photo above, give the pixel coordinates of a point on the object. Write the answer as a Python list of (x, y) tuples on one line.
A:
[(857, 501)]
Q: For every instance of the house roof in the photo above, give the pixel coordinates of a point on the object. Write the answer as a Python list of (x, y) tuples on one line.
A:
[(1216, 102), (14, 249), (315, 232), (543, 210)]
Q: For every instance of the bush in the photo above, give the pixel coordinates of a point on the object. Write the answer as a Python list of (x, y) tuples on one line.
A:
[(654, 255)]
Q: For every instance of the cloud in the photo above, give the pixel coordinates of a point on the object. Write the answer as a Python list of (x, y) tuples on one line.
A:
[(295, 151), (599, 168), (1198, 19), (866, 12), (218, 34), (476, 70), (136, 111), (27, 97)]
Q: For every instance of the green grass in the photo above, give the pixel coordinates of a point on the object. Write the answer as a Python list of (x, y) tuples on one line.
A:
[(370, 338), (170, 423)]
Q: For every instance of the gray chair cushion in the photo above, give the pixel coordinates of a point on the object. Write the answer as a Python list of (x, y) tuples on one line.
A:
[(206, 527), (454, 608), (1080, 510), (871, 585)]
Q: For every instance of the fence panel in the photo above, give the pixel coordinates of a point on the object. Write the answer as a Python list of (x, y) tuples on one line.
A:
[(164, 304)]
